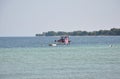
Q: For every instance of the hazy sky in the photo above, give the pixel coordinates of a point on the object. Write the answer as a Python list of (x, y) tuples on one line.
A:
[(28, 17)]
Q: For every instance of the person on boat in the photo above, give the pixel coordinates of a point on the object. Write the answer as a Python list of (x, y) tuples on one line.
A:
[(66, 40), (62, 39)]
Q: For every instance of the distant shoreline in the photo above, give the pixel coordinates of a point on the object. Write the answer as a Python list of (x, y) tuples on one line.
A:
[(111, 32), (59, 36)]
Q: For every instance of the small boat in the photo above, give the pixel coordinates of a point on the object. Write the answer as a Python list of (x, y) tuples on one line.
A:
[(63, 40)]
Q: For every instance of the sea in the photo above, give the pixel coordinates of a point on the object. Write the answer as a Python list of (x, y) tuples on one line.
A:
[(87, 57)]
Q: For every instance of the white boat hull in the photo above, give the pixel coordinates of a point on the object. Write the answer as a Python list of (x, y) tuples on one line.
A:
[(52, 44)]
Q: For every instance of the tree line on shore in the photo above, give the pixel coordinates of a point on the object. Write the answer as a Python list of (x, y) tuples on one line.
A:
[(111, 32)]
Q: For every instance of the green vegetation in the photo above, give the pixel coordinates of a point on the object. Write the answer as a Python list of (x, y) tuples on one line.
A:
[(111, 32)]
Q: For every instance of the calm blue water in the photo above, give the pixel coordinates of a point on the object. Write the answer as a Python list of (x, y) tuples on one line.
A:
[(15, 42), (86, 58)]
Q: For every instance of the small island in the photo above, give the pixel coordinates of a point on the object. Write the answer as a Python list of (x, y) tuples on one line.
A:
[(111, 32)]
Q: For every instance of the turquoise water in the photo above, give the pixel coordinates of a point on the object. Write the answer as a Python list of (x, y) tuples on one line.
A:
[(60, 63), (94, 60)]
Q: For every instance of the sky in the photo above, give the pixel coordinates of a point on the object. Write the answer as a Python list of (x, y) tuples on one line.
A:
[(28, 17)]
